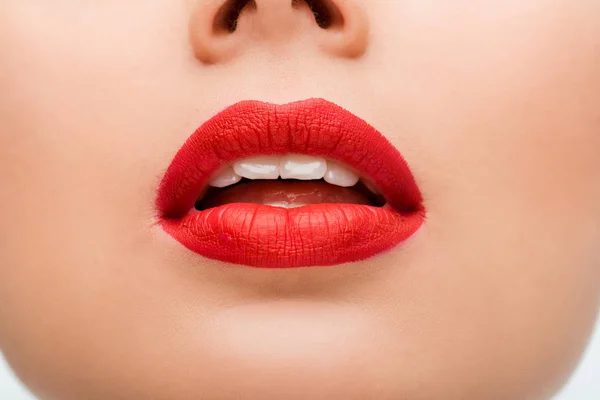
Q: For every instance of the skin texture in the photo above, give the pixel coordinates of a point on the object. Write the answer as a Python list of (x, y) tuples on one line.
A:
[(493, 104)]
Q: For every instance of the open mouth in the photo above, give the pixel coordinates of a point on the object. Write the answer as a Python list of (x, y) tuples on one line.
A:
[(283, 186), (289, 181)]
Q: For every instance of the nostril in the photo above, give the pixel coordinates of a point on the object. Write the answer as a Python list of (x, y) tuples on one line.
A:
[(326, 13), (227, 17), (222, 29)]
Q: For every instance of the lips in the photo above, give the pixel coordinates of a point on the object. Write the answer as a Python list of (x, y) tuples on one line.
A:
[(266, 236)]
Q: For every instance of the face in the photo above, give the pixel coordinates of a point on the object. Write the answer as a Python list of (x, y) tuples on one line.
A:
[(493, 106)]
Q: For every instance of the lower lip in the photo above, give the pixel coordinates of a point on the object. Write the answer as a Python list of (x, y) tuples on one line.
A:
[(270, 237)]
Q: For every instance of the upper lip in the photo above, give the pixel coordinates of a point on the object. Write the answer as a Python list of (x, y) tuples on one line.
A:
[(314, 127)]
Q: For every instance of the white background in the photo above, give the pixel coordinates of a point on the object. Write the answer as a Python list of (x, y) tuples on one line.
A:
[(585, 384)]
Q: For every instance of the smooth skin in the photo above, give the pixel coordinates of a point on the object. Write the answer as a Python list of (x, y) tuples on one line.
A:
[(495, 105)]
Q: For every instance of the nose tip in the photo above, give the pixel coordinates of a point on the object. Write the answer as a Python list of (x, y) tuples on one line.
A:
[(223, 29)]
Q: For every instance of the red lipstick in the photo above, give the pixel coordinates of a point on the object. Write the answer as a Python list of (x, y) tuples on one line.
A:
[(265, 236)]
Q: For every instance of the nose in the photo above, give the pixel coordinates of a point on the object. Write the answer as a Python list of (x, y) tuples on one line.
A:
[(221, 30)]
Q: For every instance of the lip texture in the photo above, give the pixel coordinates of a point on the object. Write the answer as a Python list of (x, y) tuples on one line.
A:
[(268, 237)]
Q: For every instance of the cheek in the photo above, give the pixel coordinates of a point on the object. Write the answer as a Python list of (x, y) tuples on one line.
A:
[(79, 163), (502, 133)]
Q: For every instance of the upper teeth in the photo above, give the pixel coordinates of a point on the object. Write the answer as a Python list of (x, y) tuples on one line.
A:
[(339, 175), (302, 167), (265, 167), (226, 178), (291, 166)]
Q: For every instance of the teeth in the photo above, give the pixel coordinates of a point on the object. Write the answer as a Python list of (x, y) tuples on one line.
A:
[(291, 166), (282, 204), (371, 187), (303, 167), (226, 178), (339, 175), (263, 167)]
